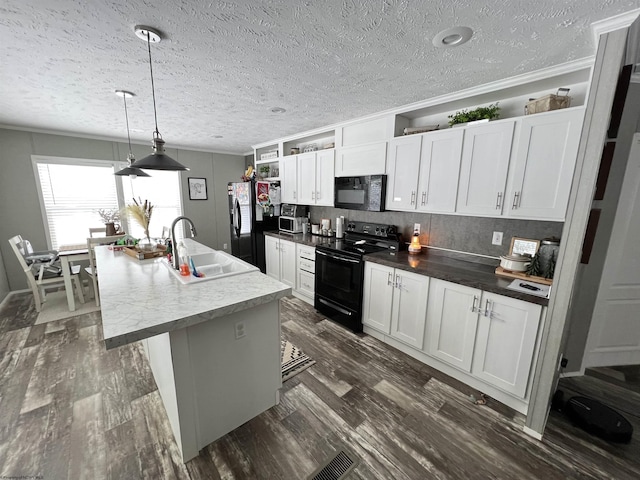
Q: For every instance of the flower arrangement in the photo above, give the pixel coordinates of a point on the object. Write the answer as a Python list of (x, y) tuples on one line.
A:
[(109, 216), (141, 213), (480, 113)]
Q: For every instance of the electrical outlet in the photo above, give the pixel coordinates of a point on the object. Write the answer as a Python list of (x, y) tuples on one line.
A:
[(416, 228), (225, 246), (240, 331), (497, 238)]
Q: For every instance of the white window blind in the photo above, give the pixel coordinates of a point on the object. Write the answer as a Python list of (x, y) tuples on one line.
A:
[(72, 196), (73, 190), (163, 191)]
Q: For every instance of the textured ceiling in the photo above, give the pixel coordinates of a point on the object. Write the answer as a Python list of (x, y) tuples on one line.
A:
[(222, 66)]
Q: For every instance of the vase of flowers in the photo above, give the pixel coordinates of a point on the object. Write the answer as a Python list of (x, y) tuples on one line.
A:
[(111, 219), (141, 212)]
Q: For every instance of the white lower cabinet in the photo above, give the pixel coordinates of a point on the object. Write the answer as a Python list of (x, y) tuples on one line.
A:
[(491, 336), (280, 257), (505, 343), (395, 302), (452, 320), (306, 268)]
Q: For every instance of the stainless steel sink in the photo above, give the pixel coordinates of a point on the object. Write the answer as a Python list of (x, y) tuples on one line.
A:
[(214, 265)]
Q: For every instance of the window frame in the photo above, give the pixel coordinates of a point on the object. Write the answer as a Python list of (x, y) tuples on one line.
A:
[(116, 165)]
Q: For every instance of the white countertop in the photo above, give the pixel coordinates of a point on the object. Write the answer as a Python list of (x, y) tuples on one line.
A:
[(142, 298)]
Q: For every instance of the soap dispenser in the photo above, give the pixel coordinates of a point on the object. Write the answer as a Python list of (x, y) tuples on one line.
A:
[(183, 257)]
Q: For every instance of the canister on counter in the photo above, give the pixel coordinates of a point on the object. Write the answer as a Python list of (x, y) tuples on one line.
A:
[(548, 255)]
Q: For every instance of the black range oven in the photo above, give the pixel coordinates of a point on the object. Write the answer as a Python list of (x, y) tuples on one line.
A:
[(340, 270)]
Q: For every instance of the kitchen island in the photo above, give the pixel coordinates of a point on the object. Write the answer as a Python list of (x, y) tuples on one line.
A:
[(213, 346)]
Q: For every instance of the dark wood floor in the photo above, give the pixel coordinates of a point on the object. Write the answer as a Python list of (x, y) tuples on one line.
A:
[(71, 409)]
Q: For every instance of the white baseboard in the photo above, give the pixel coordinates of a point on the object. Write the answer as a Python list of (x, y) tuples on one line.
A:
[(532, 433)]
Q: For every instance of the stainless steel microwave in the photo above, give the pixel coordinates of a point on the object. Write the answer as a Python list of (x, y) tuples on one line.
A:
[(361, 193), (292, 224)]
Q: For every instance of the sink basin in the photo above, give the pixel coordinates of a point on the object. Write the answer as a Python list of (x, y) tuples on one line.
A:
[(213, 265)]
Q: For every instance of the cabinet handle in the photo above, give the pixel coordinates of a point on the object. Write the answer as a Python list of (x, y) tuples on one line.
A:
[(413, 197), (487, 312), (398, 284), (424, 198), (318, 196), (313, 195), (515, 200), (499, 201), (473, 305), (295, 197), (389, 278)]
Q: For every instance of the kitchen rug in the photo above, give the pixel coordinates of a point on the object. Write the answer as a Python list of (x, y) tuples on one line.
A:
[(293, 360), (55, 307)]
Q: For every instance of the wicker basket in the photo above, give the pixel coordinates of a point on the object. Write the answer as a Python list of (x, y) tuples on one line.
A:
[(549, 102)]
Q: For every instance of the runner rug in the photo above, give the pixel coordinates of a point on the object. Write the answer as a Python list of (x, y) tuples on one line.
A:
[(293, 360)]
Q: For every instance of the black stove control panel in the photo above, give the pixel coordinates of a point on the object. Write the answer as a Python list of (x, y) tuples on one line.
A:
[(373, 229)]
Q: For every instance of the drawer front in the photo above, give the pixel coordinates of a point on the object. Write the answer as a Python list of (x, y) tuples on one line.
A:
[(307, 265), (306, 282), (307, 252)]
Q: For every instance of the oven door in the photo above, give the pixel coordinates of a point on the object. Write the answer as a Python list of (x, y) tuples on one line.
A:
[(338, 287)]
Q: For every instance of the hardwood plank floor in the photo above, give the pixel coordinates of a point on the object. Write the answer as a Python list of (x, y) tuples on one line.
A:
[(71, 409)]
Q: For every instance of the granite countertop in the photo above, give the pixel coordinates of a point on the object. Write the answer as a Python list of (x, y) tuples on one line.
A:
[(440, 265), (140, 299), (302, 238)]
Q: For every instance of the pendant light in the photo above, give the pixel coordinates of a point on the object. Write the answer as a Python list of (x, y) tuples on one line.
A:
[(130, 170), (158, 160)]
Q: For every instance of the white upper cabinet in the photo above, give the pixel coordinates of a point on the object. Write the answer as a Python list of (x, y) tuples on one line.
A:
[(289, 179), (316, 178), (543, 165), (439, 171), (325, 177), (369, 159), (307, 178), (423, 171), (402, 171), (483, 173)]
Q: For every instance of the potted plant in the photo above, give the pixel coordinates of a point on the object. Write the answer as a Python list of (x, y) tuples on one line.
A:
[(111, 219), (264, 171), (481, 113)]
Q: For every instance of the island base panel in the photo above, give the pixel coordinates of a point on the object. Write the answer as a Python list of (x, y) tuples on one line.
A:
[(225, 372)]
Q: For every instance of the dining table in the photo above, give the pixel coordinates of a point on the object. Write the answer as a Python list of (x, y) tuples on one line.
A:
[(69, 254)]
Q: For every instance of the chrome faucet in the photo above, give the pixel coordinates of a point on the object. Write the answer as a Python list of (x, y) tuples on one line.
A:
[(176, 260)]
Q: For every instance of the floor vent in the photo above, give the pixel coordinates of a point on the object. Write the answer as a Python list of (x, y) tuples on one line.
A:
[(337, 468)]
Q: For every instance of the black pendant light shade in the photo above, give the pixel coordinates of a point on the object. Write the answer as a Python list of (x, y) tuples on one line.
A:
[(158, 160), (130, 170)]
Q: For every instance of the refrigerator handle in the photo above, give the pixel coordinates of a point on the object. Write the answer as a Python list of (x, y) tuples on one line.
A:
[(238, 219)]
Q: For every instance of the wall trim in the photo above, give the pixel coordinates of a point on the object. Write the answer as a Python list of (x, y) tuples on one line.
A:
[(616, 22), (103, 138), (510, 82)]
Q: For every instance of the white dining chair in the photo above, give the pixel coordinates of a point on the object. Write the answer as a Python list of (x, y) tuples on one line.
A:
[(91, 270), (42, 275)]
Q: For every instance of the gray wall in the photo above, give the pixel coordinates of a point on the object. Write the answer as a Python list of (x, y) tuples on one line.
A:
[(453, 232), (20, 208), (4, 283)]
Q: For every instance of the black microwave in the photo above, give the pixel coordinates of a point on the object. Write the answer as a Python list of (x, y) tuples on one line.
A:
[(361, 193)]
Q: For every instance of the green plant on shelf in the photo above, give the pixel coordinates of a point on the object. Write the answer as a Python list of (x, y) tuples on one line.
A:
[(464, 116)]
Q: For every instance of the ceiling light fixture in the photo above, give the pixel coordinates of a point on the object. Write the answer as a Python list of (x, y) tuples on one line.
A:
[(278, 110), (158, 160), (130, 170), (452, 37)]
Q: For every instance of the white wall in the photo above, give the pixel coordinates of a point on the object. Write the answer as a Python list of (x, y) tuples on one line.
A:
[(20, 208), (4, 283)]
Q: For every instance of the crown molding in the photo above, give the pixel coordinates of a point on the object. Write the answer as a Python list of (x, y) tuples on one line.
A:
[(515, 81), (109, 139), (624, 20)]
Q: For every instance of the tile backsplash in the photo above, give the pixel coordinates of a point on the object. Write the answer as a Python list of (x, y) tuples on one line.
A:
[(453, 232)]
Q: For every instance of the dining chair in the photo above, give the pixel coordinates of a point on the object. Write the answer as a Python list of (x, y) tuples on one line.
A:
[(97, 231), (42, 274), (91, 270)]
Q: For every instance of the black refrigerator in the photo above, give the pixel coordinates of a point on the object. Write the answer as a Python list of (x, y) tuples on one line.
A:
[(249, 219)]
